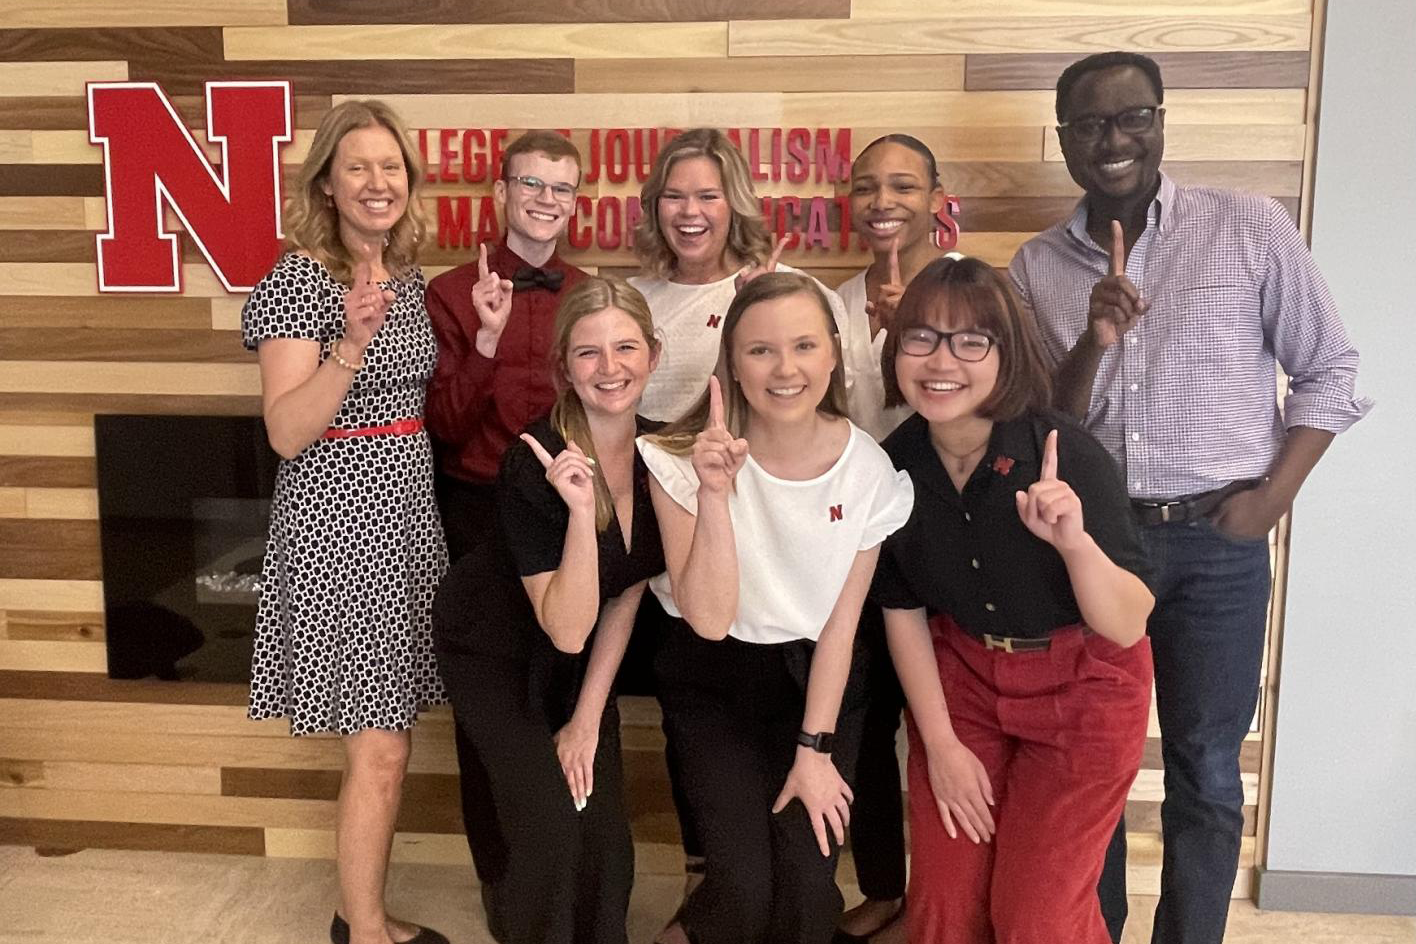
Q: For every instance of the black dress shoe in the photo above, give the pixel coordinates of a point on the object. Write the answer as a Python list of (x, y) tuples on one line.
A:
[(339, 934), (845, 937)]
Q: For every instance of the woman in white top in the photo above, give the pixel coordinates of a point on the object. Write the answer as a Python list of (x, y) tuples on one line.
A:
[(703, 229), (772, 506), (896, 198)]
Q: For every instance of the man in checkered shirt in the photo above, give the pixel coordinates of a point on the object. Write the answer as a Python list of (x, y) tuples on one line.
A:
[(1164, 309)]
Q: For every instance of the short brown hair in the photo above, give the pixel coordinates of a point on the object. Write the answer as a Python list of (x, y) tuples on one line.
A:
[(553, 144), (969, 293)]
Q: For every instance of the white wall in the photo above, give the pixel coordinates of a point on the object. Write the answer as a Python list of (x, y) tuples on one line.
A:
[(1344, 789)]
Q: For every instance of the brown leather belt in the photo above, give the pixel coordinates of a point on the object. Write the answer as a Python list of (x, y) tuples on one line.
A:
[(1189, 508)]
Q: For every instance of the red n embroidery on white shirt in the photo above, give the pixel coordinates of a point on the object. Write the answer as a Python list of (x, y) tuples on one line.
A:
[(836, 513)]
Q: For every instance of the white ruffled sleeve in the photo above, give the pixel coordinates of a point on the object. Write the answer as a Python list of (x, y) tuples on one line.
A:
[(894, 500), (674, 474)]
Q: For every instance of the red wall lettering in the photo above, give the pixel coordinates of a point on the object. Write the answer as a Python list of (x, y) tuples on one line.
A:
[(151, 161)]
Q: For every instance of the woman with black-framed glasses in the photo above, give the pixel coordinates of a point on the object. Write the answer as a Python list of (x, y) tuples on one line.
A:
[(1015, 609)]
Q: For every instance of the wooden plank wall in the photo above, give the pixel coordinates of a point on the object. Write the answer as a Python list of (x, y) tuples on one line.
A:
[(85, 761)]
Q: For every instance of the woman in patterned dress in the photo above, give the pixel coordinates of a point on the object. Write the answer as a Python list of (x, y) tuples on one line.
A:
[(343, 634)]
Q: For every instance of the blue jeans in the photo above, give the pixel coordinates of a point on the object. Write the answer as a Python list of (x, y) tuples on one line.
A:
[(1207, 637)]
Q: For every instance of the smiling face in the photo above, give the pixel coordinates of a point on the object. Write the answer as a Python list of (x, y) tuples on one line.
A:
[(539, 216), (782, 356), (941, 387), (893, 195), (694, 214), (608, 361), (368, 182), (1117, 167)]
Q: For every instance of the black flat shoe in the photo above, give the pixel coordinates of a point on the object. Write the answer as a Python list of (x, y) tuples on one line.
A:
[(339, 934)]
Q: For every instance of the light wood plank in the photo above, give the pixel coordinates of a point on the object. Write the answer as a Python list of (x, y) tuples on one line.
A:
[(770, 74), (46, 212), (423, 848), (199, 380), (66, 503), (167, 808), (875, 9), (1080, 34), (12, 502), (38, 440), (963, 143), (30, 655), (1150, 787), (74, 147), (51, 627), (110, 778), (16, 147), (1205, 142), (55, 78), (79, 279), (824, 109), (569, 40), (91, 14), (226, 313)]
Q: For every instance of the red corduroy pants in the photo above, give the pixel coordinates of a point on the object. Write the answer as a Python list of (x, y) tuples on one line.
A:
[(1060, 733)]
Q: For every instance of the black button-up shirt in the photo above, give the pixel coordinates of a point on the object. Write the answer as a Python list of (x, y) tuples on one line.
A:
[(970, 556)]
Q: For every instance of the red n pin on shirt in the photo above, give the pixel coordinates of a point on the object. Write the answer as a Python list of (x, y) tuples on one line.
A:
[(713, 320), (836, 513), (1002, 465)]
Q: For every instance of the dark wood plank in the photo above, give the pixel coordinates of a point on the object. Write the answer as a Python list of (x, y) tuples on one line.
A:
[(47, 472), (46, 245), (60, 837), (43, 113), (345, 12), (103, 311), (47, 549), (90, 686), (164, 405), (371, 77), (1250, 756), (115, 344), (1012, 214), (198, 43), (995, 71), (1143, 816), (51, 180), (431, 802)]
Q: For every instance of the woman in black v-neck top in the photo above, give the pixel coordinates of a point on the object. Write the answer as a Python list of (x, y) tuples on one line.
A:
[(531, 629)]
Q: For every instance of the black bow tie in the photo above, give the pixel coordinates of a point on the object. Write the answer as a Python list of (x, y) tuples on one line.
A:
[(528, 277)]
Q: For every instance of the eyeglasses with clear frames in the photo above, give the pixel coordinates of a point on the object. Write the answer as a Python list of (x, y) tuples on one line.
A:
[(1131, 121), (922, 341), (532, 186)]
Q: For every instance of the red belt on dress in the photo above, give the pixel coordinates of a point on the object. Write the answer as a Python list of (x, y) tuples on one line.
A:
[(397, 428)]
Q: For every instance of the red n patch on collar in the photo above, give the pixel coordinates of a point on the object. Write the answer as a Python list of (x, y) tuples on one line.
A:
[(1002, 465)]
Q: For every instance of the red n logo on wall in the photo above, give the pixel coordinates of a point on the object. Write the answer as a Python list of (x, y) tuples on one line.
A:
[(151, 162), (836, 513)]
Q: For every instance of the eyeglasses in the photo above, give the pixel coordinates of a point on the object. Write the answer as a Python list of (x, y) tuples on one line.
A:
[(1131, 121), (922, 341), (532, 186)]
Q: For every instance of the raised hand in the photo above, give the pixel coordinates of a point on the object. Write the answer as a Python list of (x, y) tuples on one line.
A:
[(1049, 508), (575, 749), (365, 304), (717, 456), (491, 297), (571, 473), (962, 792), (827, 797), (770, 265), (887, 300), (1116, 304)]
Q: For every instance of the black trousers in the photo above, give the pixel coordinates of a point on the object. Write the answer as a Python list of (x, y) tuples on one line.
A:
[(734, 710), (878, 814), (553, 875)]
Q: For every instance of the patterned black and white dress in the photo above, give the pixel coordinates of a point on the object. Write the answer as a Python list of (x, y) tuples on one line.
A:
[(356, 552)]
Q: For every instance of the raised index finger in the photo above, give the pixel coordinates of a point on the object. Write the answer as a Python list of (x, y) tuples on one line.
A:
[(1049, 457), (715, 404), (1118, 248), (777, 246), (482, 269), (895, 260), (363, 273), (538, 449)]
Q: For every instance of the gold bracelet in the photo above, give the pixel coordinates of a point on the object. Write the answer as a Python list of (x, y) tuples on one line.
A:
[(334, 353)]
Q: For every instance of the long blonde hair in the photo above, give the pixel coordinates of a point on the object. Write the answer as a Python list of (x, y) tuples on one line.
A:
[(589, 297), (747, 232), (678, 437), (311, 219)]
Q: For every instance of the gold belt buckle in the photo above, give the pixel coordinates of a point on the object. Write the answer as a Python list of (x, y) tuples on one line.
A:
[(991, 641)]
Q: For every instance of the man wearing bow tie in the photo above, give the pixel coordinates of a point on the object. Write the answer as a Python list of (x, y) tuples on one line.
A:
[(493, 320)]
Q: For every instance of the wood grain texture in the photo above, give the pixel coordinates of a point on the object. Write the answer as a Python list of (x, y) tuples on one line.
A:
[(49, 549), (41, 212), (373, 76), (1040, 34), (47, 472), (1205, 142), (154, 404), (107, 312), (50, 627), (868, 9), (26, 593), (56, 837), (770, 74), (66, 377), (60, 503), (42, 440), (66, 687), (37, 180), (43, 112), (339, 12), (157, 345), (27, 79), (574, 41), (117, 778), (27, 654), (1287, 69), (93, 14), (37, 245)]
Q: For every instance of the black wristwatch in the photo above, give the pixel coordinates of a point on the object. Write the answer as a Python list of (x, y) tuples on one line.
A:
[(821, 743)]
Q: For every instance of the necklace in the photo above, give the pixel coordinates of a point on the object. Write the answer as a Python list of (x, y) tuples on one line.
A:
[(962, 456)]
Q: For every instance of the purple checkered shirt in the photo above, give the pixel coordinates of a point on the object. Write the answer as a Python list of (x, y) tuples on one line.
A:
[(1185, 402)]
